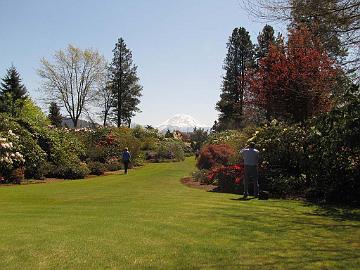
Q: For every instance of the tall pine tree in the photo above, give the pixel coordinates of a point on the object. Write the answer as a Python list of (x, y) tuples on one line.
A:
[(125, 85), (265, 38), (12, 93), (239, 59)]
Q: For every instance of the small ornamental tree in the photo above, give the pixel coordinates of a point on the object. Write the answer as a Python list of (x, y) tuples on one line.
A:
[(294, 81), (214, 155)]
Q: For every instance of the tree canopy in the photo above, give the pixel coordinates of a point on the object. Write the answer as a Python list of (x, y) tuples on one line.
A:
[(72, 78)]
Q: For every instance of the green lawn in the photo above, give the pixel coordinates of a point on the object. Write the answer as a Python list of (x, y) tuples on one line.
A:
[(148, 220)]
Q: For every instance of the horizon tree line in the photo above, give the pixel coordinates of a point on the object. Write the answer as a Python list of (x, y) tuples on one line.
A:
[(293, 79), (79, 80)]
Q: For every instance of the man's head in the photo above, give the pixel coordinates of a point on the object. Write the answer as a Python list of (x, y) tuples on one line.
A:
[(251, 144), (126, 149)]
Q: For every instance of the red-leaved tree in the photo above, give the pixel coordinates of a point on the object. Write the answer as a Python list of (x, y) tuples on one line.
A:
[(294, 81)]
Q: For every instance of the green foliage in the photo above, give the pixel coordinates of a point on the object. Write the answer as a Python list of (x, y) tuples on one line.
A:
[(334, 154), (113, 165), (236, 139), (170, 149), (104, 144), (12, 93), (55, 116), (124, 84), (32, 114), (198, 137), (239, 59), (148, 137), (11, 160), (28, 146), (202, 177), (319, 160), (68, 171), (96, 168), (283, 158)]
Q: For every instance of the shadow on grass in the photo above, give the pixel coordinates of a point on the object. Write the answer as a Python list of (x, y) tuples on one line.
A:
[(336, 212), (243, 199)]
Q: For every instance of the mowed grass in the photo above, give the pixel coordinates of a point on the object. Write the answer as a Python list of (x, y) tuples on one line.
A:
[(149, 220)]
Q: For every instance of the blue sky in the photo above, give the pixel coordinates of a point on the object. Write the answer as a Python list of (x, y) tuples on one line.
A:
[(178, 46)]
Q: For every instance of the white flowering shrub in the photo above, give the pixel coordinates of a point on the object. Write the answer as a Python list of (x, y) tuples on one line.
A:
[(10, 157)]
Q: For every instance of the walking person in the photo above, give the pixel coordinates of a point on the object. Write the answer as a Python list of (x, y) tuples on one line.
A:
[(251, 159), (126, 157)]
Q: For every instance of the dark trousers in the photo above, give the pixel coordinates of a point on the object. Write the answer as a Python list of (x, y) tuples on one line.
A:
[(126, 166), (251, 174)]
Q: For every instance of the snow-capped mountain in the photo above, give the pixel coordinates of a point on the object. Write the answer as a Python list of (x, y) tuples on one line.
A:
[(181, 122)]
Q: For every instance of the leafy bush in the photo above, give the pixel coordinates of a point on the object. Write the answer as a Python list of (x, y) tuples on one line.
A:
[(333, 149), (214, 155), (113, 164), (228, 177), (27, 145), (283, 158), (318, 160), (236, 139), (170, 149), (198, 137), (202, 177), (96, 168), (68, 171)]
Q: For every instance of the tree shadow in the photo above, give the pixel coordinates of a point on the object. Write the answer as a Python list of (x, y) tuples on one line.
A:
[(221, 190), (242, 199), (338, 213)]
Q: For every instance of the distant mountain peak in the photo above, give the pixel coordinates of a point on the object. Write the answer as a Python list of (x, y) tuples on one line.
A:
[(182, 122)]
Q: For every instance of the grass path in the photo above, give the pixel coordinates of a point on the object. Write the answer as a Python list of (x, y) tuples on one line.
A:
[(148, 220)]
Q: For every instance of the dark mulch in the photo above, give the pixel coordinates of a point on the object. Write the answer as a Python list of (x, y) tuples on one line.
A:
[(190, 182)]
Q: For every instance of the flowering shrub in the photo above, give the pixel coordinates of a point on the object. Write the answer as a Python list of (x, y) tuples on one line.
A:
[(96, 168), (202, 176), (236, 139), (333, 150), (11, 160), (227, 177), (283, 158), (214, 155)]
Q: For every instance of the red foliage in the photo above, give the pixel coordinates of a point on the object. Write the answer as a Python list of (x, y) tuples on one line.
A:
[(214, 155), (233, 172), (294, 80), (107, 140), (227, 176)]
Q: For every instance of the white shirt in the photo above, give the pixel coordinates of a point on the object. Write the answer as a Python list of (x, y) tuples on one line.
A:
[(250, 155)]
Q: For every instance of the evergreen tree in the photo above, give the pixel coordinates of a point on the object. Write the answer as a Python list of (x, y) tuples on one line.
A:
[(265, 38), (55, 115), (239, 59), (125, 85), (12, 93), (317, 16)]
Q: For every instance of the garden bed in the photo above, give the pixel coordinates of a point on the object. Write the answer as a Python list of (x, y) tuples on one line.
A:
[(190, 182)]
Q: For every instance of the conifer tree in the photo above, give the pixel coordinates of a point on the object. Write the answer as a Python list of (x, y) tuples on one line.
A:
[(12, 93), (125, 85), (239, 59), (265, 38), (55, 115)]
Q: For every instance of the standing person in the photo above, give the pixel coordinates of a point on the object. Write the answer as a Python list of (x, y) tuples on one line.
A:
[(126, 157), (197, 153), (251, 159)]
